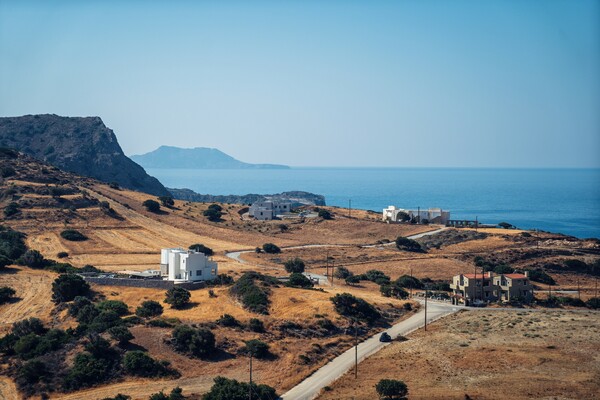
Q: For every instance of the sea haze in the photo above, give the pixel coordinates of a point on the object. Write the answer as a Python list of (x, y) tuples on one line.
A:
[(557, 200)]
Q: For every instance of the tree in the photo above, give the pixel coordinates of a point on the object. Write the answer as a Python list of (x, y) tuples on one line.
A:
[(139, 363), (407, 244), (215, 207), (33, 259), (176, 394), (271, 248), (121, 334), (342, 273), (68, 286), (213, 213), (200, 248), (407, 281), (256, 325), (198, 342), (300, 281), (352, 280), (73, 235), (149, 308), (294, 265), (228, 321), (6, 294), (325, 214), (256, 348), (166, 201), (177, 297), (231, 389), (151, 205), (391, 389), (11, 209), (354, 307), (504, 269), (393, 290), (377, 277), (593, 303), (114, 305)]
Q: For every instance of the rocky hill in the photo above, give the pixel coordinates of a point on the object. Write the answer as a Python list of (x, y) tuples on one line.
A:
[(196, 158), (296, 197), (84, 146)]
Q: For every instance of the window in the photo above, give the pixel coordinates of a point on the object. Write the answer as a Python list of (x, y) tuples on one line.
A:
[(199, 272), (213, 271)]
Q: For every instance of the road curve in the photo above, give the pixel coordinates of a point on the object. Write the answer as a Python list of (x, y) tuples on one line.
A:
[(324, 376)]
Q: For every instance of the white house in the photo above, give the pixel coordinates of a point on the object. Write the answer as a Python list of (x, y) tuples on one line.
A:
[(432, 215), (180, 265), (266, 210)]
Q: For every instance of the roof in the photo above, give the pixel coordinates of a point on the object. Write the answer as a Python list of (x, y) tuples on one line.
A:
[(515, 276), (478, 276)]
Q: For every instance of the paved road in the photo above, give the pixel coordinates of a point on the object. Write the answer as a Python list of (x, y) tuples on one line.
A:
[(311, 386)]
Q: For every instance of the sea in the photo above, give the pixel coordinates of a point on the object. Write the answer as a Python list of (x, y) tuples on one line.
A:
[(563, 201)]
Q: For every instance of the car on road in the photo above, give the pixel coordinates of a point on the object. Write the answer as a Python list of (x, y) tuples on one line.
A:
[(385, 337)]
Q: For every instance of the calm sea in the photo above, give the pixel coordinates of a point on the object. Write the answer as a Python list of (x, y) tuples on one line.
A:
[(557, 200)]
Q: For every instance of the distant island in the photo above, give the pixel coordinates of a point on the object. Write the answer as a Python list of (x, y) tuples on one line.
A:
[(196, 158), (297, 198)]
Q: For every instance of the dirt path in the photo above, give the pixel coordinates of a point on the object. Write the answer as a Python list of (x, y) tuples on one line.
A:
[(34, 292)]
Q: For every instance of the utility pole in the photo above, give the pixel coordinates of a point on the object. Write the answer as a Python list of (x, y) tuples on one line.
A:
[(355, 350), (425, 308), (411, 283), (250, 386), (418, 215), (578, 290), (476, 223)]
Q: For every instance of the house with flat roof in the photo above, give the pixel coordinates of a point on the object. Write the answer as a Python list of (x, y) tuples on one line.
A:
[(490, 287), (179, 265), (431, 215), (267, 210)]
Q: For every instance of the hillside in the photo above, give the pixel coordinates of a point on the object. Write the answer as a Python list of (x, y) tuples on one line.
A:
[(296, 197), (196, 158), (81, 145)]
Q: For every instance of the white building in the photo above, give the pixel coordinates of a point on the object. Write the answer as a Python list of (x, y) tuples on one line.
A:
[(266, 210), (432, 215), (180, 265)]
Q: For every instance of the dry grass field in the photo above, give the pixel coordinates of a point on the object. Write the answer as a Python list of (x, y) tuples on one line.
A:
[(489, 355)]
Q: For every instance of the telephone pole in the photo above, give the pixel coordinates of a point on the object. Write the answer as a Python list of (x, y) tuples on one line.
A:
[(250, 386), (355, 351), (425, 308)]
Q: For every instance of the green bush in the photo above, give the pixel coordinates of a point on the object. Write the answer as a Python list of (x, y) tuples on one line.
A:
[(391, 389), (114, 305), (177, 297), (353, 280), (393, 290), (139, 363), (570, 301), (228, 321), (11, 209), (377, 277), (410, 282), (34, 345), (6, 294), (104, 321), (256, 348), (593, 303), (12, 244), (87, 371), (121, 334), (68, 286), (325, 214), (176, 394), (62, 254), (33, 259), (118, 397), (504, 269), (256, 325), (149, 308), (32, 372), (197, 342), (294, 266), (271, 248), (151, 205), (538, 275), (342, 273), (299, 281), (355, 308), (73, 235), (166, 201), (213, 213), (231, 389), (252, 296), (202, 249), (407, 244)]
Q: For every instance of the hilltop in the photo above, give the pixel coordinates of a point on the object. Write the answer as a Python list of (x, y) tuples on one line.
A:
[(196, 158), (83, 145)]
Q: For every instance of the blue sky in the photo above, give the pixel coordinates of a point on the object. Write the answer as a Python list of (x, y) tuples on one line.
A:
[(318, 83)]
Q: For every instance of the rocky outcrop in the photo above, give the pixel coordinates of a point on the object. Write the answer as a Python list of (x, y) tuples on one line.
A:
[(296, 197), (84, 146)]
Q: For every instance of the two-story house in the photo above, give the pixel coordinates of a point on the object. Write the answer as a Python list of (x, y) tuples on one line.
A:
[(488, 287)]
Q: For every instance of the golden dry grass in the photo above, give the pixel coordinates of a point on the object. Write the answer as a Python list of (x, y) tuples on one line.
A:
[(489, 355)]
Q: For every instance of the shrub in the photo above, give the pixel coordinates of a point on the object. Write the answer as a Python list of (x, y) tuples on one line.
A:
[(593, 303), (151, 205), (177, 297), (294, 265), (197, 342), (352, 280), (504, 269), (221, 279), (87, 371), (176, 394), (12, 244), (114, 185), (256, 348), (342, 273), (325, 214), (407, 244), (78, 303), (149, 308), (119, 396), (62, 254), (68, 286), (33, 371), (34, 345), (104, 321), (33, 259), (391, 389), (231, 389), (11, 209), (114, 305), (258, 250), (200, 248), (256, 325), (253, 297), (393, 290), (139, 363), (89, 268), (7, 172), (228, 321), (97, 346), (376, 276), (6, 294), (215, 207), (299, 281), (73, 235), (27, 326), (213, 214), (121, 334), (354, 307), (539, 275), (407, 281), (166, 201), (271, 248), (570, 301)]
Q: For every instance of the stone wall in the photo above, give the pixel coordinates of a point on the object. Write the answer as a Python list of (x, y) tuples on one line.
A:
[(144, 283)]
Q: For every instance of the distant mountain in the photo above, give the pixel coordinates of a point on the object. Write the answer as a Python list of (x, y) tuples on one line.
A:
[(295, 197), (84, 146), (196, 158)]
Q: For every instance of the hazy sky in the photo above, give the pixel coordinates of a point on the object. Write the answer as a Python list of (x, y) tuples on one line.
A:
[(318, 83)]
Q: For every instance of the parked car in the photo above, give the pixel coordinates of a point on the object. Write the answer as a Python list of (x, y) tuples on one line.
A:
[(385, 337)]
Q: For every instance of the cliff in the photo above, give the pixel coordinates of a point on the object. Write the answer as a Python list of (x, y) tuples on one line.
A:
[(84, 146)]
